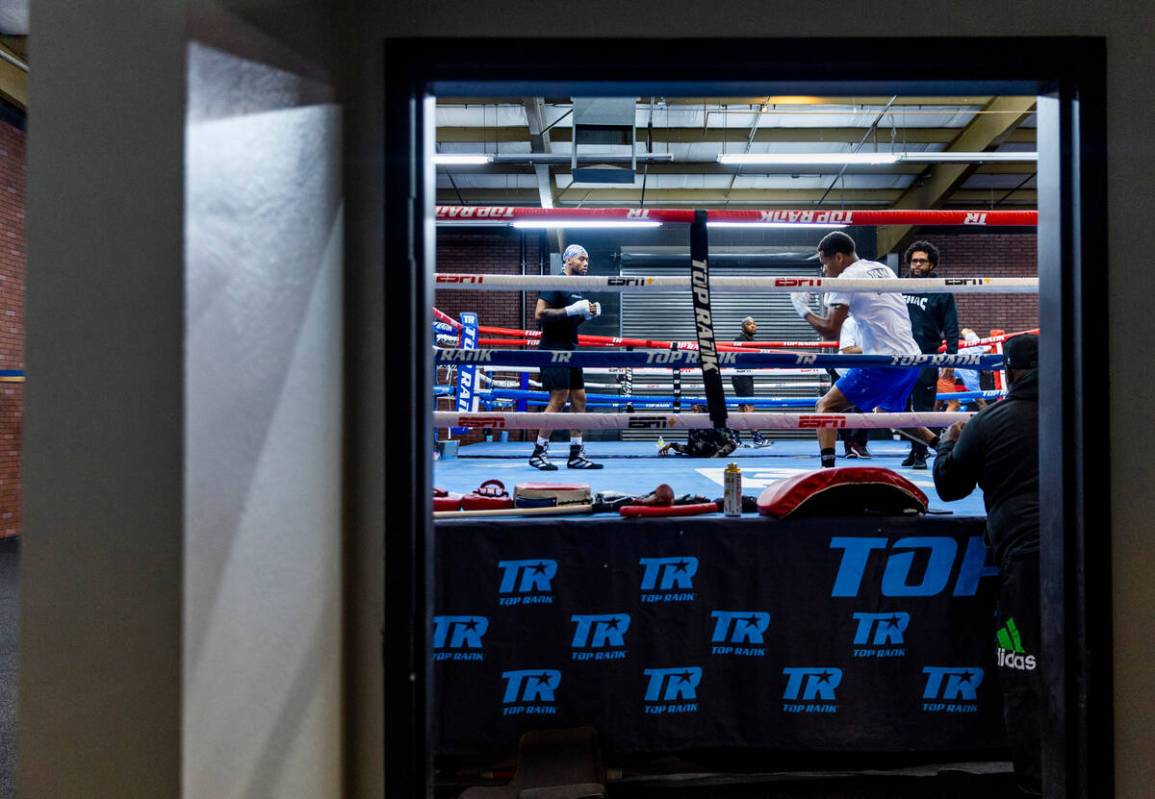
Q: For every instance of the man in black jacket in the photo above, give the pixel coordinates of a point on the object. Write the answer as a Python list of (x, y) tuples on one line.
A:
[(932, 318), (999, 451)]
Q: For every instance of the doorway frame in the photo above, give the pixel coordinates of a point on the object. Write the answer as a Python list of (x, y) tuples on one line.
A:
[(1068, 74)]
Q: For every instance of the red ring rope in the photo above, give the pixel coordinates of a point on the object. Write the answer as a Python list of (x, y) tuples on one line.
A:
[(504, 213)]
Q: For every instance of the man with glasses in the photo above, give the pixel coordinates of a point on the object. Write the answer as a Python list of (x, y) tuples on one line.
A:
[(932, 318)]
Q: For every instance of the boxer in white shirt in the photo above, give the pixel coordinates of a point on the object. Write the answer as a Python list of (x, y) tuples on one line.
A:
[(883, 329)]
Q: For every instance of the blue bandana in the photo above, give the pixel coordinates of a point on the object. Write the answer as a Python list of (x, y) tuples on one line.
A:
[(573, 250)]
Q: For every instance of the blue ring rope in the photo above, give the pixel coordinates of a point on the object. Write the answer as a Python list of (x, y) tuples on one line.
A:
[(685, 359)]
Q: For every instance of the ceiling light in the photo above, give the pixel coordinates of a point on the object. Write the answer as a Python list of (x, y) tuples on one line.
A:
[(965, 158), (463, 159), (584, 223), (872, 159), (809, 158)]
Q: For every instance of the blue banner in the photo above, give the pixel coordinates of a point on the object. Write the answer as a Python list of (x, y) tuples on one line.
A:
[(825, 635), (467, 372)]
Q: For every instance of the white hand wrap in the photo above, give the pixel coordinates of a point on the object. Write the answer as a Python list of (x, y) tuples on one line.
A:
[(801, 302), (579, 308)]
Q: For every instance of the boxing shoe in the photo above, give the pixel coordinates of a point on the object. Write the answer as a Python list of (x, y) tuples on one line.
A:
[(540, 459), (578, 459), (916, 455)]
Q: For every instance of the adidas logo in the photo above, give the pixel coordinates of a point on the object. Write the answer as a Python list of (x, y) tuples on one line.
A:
[(1010, 653)]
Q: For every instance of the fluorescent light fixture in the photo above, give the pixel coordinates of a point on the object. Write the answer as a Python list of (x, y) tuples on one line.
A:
[(871, 159), (880, 159), (773, 224), (538, 224), (462, 159), (966, 158)]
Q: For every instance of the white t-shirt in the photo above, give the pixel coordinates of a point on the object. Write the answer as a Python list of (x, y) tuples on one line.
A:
[(848, 336), (883, 321)]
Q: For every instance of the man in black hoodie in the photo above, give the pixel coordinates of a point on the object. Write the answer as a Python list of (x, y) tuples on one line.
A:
[(999, 451), (932, 318)]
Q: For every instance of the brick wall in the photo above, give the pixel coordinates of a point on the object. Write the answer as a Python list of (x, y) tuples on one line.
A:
[(494, 252), (11, 321), (966, 254), (497, 252)]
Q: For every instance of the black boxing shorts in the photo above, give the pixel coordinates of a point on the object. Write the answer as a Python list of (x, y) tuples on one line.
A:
[(559, 377)]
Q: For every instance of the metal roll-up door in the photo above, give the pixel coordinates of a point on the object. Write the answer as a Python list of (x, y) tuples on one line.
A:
[(670, 315)]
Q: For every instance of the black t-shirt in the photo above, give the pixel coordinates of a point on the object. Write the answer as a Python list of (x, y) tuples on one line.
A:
[(560, 334)]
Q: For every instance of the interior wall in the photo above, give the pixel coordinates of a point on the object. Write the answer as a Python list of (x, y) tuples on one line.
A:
[(263, 397), (101, 561), (1131, 116), (181, 623)]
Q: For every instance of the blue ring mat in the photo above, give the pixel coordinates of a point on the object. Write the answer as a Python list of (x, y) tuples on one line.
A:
[(633, 467)]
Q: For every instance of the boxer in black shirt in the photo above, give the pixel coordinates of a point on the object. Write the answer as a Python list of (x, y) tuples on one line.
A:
[(560, 313)]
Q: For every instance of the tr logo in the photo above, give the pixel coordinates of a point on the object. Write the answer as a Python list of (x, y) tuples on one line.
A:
[(668, 574), (740, 627), (530, 685), (673, 685), (459, 632), (808, 684), (599, 631), (952, 683), (527, 576), (880, 629)]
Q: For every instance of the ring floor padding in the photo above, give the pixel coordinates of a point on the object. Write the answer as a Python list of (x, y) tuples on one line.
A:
[(631, 467)]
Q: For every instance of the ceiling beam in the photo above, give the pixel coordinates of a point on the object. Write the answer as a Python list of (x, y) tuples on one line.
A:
[(776, 100), (13, 80), (516, 133), (714, 168), (539, 142), (986, 131), (688, 197), (793, 100)]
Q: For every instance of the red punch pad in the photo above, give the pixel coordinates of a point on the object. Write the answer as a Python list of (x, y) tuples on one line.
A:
[(490, 495), (445, 500), (846, 491)]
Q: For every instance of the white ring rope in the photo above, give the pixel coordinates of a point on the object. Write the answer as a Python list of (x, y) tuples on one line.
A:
[(776, 285), (688, 421), (647, 370)]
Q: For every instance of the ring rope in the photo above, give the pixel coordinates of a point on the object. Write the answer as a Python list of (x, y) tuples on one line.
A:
[(654, 400), (691, 345), (656, 371), (689, 360), (732, 284), (689, 421), (509, 214)]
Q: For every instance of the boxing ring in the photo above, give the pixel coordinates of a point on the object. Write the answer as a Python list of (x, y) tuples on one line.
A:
[(826, 634)]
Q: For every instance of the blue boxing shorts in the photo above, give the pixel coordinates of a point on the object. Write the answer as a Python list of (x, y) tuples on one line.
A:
[(878, 387)]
